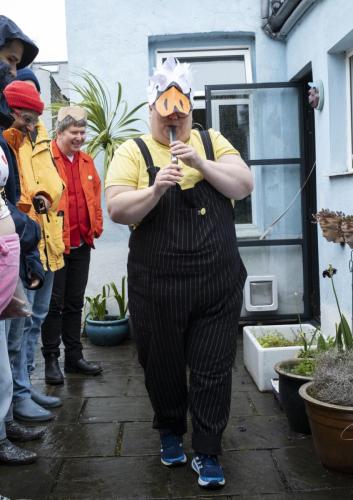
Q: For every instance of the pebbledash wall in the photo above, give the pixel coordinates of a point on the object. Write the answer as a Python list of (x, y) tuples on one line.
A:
[(323, 38), (116, 41)]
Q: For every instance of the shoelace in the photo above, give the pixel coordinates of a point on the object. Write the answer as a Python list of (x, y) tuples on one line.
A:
[(207, 460)]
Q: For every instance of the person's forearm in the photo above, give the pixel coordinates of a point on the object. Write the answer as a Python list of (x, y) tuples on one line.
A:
[(232, 180), (131, 207)]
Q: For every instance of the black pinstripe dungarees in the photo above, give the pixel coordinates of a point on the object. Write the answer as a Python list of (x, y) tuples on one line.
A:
[(186, 283)]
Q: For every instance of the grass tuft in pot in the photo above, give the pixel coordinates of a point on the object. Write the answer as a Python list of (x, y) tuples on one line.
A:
[(333, 378)]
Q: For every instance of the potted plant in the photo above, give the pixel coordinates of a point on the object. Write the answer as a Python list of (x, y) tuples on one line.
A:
[(330, 223), (102, 328), (329, 398), (347, 230), (264, 346), (293, 373)]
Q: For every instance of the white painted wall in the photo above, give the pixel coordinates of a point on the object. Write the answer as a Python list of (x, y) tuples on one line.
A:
[(321, 39)]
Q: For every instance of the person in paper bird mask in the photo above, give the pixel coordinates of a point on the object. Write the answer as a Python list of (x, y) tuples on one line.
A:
[(185, 275)]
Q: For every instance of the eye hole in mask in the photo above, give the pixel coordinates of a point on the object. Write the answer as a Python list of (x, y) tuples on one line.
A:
[(172, 101)]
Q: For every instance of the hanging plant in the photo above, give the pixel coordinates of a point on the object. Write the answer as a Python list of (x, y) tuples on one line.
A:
[(330, 224)]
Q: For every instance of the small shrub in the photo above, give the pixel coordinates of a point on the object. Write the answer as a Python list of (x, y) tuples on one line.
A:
[(305, 368), (276, 339)]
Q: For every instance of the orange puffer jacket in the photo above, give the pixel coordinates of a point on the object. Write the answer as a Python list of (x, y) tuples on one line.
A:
[(91, 186)]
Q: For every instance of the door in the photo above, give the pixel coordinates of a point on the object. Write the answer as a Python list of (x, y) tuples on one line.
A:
[(264, 122)]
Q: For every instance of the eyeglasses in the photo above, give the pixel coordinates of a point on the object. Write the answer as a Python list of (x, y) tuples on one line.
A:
[(28, 119)]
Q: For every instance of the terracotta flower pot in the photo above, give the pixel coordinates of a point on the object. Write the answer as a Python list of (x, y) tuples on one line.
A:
[(331, 228), (332, 431), (347, 231)]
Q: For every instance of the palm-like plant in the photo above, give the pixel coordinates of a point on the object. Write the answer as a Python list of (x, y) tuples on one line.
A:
[(108, 125)]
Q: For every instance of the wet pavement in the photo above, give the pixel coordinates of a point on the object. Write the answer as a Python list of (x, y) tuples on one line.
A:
[(101, 446)]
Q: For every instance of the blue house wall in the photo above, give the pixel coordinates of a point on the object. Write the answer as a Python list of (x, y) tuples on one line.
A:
[(116, 40)]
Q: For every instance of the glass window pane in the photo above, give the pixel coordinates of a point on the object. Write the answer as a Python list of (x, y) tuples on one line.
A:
[(234, 125), (220, 71), (286, 263), (275, 187), (243, 211), (270, 114)]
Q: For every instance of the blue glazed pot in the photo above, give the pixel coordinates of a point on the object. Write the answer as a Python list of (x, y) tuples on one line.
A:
[(109, 332)]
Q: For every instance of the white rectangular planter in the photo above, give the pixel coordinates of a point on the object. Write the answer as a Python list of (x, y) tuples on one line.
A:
[(260, 361)]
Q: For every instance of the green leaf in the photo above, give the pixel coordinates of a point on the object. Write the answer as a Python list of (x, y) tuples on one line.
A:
[(346, 333), (339, 341), (321, 343)]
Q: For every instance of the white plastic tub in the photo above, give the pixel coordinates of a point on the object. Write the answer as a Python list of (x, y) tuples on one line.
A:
[(259, 361)]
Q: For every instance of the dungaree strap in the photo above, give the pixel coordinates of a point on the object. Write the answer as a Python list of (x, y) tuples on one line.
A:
[(207, 144), (151, 169), (206, 141), (144, 151)]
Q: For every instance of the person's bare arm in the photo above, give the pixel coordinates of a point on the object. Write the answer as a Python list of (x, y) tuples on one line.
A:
[(230, 175), (128, 205)]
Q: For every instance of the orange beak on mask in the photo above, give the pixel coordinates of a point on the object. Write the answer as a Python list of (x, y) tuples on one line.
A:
[(171, 101)]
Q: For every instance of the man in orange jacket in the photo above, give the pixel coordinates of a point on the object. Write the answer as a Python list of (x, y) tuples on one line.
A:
[(83, 221)]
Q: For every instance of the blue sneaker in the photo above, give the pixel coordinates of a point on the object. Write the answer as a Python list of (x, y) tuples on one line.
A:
[(209, 471), (172, 452)]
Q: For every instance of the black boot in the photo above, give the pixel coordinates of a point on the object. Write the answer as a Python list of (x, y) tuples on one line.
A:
[(53, 374), (10, 454), (82, 366), (18, 432)]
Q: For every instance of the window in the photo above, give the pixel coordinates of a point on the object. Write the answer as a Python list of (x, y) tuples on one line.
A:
[(350, 108), (214, 67)]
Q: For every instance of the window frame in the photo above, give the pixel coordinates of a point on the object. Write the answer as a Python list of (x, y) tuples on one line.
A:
[(349, 93), (208, 52)]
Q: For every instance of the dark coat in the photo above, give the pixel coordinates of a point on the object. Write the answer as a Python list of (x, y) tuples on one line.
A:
[(10, 31), (27, 229)]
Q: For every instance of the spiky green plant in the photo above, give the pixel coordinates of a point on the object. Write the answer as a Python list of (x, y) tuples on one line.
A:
[(97, 305), (120, 297), (108, 124)]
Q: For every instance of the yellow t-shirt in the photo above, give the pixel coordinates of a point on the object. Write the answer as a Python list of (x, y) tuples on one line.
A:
[(128, 167)]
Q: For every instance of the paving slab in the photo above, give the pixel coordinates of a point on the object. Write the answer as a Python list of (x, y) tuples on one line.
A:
[(241, 381), (88, 387), (116, 354), (136, 386), (313, 495), (77, 440), (140, 439), (241, 469), (302, 470), (112, 478), (261, 432), (70, 412), (241, 404), (102, 446), (32, 482), (118, 409), (264, 403)]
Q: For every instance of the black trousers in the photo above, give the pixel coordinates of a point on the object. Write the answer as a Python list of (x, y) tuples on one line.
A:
[(63, 321), (173, 331)]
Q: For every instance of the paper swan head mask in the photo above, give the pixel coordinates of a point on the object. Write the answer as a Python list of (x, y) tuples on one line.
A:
[(170, 88)]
